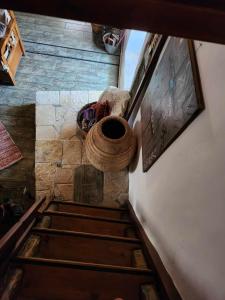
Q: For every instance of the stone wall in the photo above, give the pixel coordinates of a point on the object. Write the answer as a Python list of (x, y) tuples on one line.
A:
[(60, 147)]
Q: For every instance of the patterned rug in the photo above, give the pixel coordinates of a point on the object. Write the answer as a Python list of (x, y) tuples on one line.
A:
[(9, 152)]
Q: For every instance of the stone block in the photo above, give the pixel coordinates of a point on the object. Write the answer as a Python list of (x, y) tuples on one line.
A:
[(66, 113), (66, 117), (64, 175), (46, 133), (65, 191), (45, 115), (79, 99), (110, 203), (72, 152), (115, 184), (42, 185), (41, 194), (48, 151), (67, 130), (47, 97), (65, 98), (45, 172)]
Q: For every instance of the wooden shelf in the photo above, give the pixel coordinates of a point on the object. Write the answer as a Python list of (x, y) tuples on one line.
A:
[(11, 63)]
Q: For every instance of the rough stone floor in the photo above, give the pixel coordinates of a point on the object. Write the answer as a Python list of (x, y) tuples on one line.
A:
[(60, 56), (62, 168)]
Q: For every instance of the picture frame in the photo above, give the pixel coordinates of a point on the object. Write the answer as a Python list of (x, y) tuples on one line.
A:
[(172, 100)]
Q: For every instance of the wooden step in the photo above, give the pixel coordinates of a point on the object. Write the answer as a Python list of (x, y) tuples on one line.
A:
[(90, 205), (82, 216), (49, 279), (91, 235), (102, 226), (72, 207), (86, 248)]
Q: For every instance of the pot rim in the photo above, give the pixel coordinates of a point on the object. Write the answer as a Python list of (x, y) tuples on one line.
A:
[(119, 119)]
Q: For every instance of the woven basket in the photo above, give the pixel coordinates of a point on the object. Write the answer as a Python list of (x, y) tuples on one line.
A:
[(80, 115)]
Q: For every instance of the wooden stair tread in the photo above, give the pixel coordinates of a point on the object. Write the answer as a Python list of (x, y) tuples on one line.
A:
[(85, 234), (80, 265), (46, 281), (88, 205), (86, 255), (84, 248), (67, 214), (89, 225), (70, 207)]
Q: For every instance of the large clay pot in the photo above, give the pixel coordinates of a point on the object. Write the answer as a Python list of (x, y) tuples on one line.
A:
[(110, 144)]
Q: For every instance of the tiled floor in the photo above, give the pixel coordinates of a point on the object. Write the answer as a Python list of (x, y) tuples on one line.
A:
[(60, 55), (60, 151)]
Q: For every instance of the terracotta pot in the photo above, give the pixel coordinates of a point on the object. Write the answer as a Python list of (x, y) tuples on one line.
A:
[(110, 144)]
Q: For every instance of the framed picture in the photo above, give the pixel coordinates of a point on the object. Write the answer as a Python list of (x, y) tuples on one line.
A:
[(173, 98), (151, 53)]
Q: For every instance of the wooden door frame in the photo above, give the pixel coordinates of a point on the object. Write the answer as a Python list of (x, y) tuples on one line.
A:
[(192, 19)]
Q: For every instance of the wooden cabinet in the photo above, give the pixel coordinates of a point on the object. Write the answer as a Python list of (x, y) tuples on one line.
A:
[(11, 51)]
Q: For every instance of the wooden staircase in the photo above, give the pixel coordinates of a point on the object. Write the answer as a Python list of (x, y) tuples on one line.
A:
[(69, 251)]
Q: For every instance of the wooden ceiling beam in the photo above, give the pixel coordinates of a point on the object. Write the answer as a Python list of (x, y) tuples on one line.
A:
[(194, 19)]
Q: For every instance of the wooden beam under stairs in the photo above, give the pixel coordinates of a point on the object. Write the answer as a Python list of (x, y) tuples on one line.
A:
[(195, 19)]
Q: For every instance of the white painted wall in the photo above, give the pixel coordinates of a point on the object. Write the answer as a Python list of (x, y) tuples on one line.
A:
[(181, 199)]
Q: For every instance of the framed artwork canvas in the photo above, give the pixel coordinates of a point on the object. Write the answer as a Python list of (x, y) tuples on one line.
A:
[(173, 98)]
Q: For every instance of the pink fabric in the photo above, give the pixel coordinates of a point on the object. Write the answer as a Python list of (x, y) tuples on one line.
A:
[(9, 152)]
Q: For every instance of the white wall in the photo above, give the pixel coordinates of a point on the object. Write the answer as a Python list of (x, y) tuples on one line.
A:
[(181, 199)]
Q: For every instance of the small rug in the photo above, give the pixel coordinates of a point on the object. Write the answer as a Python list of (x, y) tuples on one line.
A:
[(9, 152)]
